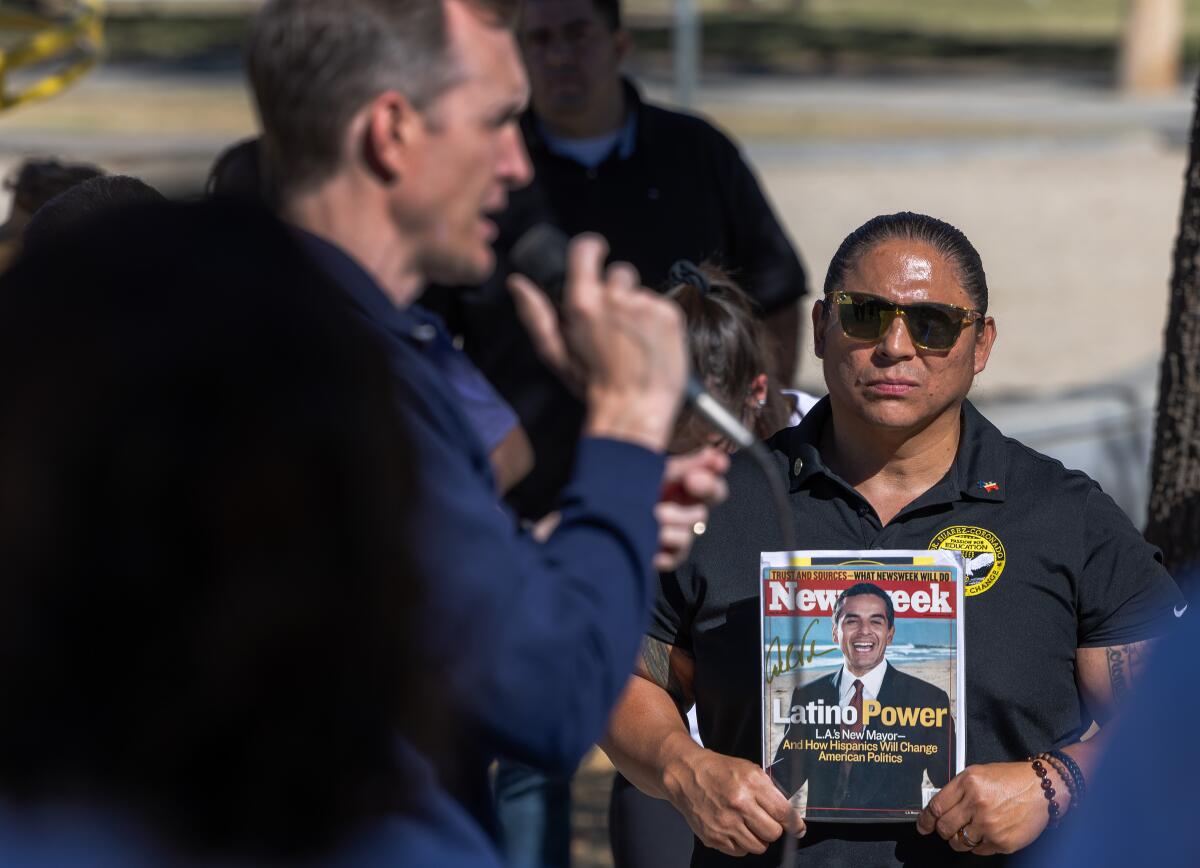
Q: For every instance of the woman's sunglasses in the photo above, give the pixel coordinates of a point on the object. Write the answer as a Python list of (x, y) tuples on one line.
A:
[(931, 326)]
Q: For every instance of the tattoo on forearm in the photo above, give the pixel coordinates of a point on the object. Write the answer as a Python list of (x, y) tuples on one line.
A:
[(656, 660), (1123, 660)]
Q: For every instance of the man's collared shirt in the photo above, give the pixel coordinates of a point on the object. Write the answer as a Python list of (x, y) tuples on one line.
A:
[(489, 415), (532, 643), (1056, 567)]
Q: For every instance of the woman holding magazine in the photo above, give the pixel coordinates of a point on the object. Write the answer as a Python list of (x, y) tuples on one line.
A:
[(1062, 595), (728, 351)]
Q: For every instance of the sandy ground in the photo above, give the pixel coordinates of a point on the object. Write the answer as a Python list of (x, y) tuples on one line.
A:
[(1078, 271), (1070, 194)]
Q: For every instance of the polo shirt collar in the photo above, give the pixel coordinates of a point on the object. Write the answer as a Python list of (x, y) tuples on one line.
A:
[(976, 474), (357, 283), (980, 461), (628, 141)]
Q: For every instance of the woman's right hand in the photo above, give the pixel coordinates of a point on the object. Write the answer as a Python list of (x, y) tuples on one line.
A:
[(730, 803)]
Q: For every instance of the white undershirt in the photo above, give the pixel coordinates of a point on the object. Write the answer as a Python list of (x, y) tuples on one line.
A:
[(587, 152), (872, 681), (803, 403), (591, 152)]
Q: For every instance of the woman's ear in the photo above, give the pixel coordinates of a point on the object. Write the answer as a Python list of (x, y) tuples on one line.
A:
[(757, 396)]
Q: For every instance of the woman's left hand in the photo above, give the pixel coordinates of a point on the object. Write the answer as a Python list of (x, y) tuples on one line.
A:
[(998, 807), (691, 484)]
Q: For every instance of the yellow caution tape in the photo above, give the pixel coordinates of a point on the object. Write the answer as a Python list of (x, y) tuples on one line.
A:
[(81, 37)]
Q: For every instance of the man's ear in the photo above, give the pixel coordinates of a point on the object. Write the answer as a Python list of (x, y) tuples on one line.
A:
[(622, 43), (818, 331), (985, 339), (390, 129)]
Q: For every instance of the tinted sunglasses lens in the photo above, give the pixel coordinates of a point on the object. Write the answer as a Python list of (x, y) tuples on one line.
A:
[(932, 328), (862, 317)]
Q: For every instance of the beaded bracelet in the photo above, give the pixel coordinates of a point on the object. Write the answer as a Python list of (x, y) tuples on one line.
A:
[(1047, 791), (1073, 767), (1063, 773)]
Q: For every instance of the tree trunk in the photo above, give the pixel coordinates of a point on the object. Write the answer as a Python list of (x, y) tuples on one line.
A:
[(1151, 45), (1174, 512)]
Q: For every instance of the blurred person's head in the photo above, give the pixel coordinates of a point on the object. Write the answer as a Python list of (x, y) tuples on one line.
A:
[(33, 183), (902, 329), (237, 173), (36, 182), (206, 614), (573, 51), (729, 351), (391, 129), (83, 203)]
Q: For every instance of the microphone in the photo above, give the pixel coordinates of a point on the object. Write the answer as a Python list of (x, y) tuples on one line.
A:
[(541, 255)]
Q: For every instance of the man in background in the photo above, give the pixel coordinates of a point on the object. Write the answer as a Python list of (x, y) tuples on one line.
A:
[(658, 185)]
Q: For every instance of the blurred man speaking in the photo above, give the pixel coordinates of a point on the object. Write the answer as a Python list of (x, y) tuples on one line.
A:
[(390, 134)]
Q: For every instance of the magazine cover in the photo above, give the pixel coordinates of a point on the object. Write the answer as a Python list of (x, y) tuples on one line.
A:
[(862, 680)]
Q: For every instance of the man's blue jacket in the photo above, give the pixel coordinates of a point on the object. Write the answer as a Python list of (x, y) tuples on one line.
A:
[(538, 639)]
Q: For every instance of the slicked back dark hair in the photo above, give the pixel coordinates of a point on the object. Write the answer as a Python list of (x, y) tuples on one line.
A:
[(946, 239), (864, 589), (314, 63), (610, 12)]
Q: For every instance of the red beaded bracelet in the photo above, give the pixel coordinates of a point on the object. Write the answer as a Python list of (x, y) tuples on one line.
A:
[(1064, 773), (1047, 791)]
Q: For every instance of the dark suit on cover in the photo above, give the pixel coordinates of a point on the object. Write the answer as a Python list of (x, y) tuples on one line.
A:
[(876, 786)]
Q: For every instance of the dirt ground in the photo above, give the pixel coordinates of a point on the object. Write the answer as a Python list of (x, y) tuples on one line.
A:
[(1070, 194)]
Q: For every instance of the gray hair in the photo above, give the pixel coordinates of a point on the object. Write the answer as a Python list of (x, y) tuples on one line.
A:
[(314, 64)]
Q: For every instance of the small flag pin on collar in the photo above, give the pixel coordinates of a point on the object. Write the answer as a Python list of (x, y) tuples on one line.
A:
[(988, 486)]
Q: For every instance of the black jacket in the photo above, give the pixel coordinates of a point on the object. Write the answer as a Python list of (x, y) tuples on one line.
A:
[(683, 193)]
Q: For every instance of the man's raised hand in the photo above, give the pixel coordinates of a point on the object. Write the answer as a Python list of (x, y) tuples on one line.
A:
[(620, 346)]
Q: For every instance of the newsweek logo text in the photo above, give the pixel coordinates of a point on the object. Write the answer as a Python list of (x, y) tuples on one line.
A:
[(813, 592)]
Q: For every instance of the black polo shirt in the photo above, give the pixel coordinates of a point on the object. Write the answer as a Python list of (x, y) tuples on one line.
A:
[(683, 192), (1058, 567)]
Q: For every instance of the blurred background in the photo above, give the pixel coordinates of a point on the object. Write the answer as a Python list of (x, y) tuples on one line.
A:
[(1053, 132)]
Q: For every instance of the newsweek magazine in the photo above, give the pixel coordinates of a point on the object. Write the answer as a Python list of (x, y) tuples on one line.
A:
[(862, 680)]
